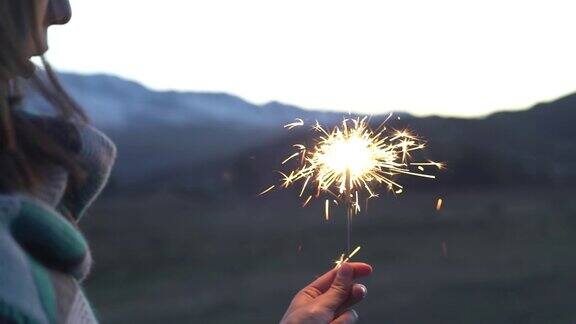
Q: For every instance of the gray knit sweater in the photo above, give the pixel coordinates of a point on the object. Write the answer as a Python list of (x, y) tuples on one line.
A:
[(43, 256)]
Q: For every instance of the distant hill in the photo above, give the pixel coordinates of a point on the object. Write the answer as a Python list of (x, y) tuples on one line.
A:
[(115, 103), (535, 147), (209, 140), (158, 131)]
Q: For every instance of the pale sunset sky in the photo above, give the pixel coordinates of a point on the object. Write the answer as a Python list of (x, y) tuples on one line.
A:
[(450, 58)]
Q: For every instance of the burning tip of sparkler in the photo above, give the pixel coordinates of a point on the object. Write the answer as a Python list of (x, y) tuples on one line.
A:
[(352, 159)]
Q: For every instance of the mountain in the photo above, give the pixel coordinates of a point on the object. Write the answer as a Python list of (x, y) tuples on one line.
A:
[(535, 147), (198, 139), (157, 131), (115, 103)]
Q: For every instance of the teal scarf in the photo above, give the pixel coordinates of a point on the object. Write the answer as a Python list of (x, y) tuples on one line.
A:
[(43, 256)]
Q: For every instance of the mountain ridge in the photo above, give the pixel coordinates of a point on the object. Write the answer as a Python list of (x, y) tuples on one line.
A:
[(196, 135)]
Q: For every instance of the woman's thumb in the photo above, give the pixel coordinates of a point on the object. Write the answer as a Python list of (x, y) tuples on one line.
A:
[(340, 289)]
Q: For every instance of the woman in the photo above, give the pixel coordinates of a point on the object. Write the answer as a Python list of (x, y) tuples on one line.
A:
[(52, 167)]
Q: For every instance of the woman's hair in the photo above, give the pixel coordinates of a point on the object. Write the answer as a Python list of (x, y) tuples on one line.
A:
[(27, 143)]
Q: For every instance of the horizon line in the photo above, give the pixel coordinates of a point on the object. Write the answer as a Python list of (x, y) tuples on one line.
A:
[(318, 109)]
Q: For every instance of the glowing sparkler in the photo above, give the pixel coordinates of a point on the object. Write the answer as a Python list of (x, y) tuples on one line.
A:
[(350, 162)]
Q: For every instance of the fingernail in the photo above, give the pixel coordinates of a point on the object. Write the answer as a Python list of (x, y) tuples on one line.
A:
[(364, 290), (345, 270), (354, 314)]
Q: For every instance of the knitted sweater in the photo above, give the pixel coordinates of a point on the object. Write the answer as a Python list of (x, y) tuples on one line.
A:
[(43, 256)]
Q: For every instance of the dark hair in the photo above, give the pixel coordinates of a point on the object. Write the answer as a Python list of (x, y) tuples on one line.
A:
[(28, 143)]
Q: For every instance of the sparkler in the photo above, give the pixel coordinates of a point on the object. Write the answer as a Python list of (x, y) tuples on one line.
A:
[(350, 162)]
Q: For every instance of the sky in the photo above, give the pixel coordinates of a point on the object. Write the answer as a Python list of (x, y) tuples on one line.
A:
[(450, 58)]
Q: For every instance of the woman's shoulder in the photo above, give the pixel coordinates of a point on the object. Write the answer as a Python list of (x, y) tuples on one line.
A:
[(95, 145), (96, 152), (76, 136)]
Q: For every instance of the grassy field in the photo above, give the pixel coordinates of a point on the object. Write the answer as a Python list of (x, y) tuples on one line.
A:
[(490, 256)]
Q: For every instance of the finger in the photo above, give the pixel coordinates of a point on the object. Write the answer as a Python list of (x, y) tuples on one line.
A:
[(361, 269), (323, 283), (340, 289), (348, 317), (358, 294)]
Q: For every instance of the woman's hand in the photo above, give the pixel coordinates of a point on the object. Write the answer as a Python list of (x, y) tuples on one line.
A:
[(328, 298)]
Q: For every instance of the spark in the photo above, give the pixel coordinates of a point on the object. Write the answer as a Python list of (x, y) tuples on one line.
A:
[(344, 259), (351, 160), (290, 157), (267, 190), (299, 122), (439, 204), (348, 163), (340, 260), (354, 252), (438, 165), (307, 201)]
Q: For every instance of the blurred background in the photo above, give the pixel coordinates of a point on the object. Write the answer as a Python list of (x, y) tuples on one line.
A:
[(195, 95)]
